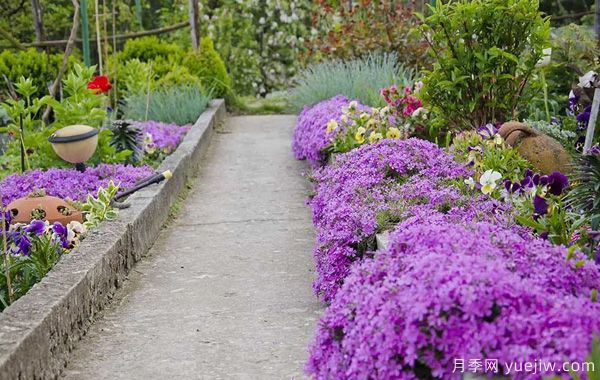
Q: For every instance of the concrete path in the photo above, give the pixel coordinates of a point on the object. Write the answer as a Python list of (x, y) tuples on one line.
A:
[(226, 291)]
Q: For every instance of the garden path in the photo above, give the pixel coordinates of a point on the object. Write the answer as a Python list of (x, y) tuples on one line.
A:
[(225, 292)]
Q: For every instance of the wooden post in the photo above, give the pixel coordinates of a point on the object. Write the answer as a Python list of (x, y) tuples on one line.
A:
[(589, 136), (85, 33), (195, 24), (38, 20)]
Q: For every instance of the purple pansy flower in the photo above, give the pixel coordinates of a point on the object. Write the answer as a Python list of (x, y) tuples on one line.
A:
[(557, 183), (37, 227), (540, 206)]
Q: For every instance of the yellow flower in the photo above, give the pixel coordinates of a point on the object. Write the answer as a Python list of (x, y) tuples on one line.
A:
[(375, 136), (371, 123), (364, 116), (393, 133), (331, 126), (360, 135)]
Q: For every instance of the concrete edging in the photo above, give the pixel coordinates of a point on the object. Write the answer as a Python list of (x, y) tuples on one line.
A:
[(38, 331)]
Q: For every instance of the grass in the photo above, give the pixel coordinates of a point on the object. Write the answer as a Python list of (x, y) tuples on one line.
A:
[(179, 105), (360, 79)]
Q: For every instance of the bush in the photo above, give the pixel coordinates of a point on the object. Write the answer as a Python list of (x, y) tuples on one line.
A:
[(360, 79), (31, 63), (485, 53), (443, 292), (151, 48), (177, 104), (371, 26), (209, 67)]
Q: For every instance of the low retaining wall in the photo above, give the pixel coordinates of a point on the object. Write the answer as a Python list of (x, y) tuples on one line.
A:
[(39, 330)]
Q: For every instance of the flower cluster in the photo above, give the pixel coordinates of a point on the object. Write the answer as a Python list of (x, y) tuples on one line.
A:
[(359, 126), (311, 134), (161, 138), (22, 238), (70, 183), (444, 291), (385, 179)]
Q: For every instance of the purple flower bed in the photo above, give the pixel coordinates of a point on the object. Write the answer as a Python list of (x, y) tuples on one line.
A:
[(69, 183), (165, 137), (445, 291), (392, 176), (310, 134)]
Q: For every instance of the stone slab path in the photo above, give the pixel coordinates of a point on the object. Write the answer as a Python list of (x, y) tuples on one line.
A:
[(225, 292)]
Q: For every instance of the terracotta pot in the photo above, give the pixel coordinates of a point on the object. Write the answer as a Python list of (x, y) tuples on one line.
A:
[(22, 208), (543, 152)]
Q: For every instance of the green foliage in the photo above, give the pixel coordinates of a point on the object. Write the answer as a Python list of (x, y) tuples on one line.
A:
[(209, 67), (179, 76), (554, 129), (148, 49), (489, 154), (585, 195), (98, 209), (134, 77), (233, 35), (26, 271), (485, 53), (360, 79), (371, 26), (126, 137), (79, 106), (179, 105), (31, 63), (261, 41)]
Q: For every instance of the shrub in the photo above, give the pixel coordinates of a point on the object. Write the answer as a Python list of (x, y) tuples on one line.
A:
[(485, 54), (31, 63), (360, 79), (444, 292), (209, 67), (151, 48), (177, 104), (370, 26)]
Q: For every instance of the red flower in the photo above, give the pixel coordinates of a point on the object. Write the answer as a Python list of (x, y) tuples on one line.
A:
[(100, 84)]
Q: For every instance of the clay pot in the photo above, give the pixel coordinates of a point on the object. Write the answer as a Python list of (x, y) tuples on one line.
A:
[(543, 152), (22, 208)]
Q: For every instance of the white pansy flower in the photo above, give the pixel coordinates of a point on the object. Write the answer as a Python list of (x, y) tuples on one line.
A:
[(488, 181), (470, 182)]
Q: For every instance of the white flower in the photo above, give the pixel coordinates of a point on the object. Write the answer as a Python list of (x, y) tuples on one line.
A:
[(588, 79), (353, 104), (488, 181), (498, 140), (344, 119), (545, 60), (76, 228), (470, 182)]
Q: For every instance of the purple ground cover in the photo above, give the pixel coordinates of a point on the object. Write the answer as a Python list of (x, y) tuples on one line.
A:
[(310, 135), (164, 137), (69, 183)]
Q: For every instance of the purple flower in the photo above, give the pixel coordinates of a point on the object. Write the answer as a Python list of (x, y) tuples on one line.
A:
[(23, 244), (310, 134), (487, 131), (62, 233), (557, 183), (540, 206), (165, 137), (37, 227), (583, 118), (70, 183), (444, 291)]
